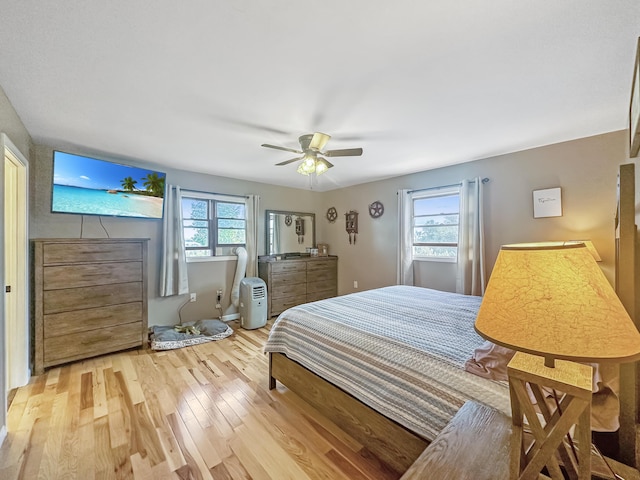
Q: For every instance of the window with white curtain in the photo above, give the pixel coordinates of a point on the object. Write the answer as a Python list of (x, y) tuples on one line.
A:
[(436, 221), (212, 225)]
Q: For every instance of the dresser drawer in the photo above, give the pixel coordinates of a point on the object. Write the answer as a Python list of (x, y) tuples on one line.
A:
[(73, 252), (284, 266), (288, 290), (326, 275), (71, 276), (65, 323), (312, 297), (68, 299), (88, 344), (322, 265), (322, 285), (279, 305), (290, 278)]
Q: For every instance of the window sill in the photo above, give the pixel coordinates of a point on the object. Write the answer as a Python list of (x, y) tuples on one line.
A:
[(436, 259), (223, 258)]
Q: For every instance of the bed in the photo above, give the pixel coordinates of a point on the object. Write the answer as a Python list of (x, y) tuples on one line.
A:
[(388, 365)]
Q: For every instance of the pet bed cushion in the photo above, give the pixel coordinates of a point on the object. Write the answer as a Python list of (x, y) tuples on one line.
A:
[(167, 338)]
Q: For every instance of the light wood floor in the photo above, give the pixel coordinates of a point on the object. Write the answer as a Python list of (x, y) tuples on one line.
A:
[(202, 412)]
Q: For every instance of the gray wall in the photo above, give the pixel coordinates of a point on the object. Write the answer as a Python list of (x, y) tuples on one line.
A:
[(204, 277), (586, 169)]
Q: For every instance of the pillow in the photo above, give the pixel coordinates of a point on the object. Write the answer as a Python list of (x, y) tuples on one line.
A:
[(490, 361)]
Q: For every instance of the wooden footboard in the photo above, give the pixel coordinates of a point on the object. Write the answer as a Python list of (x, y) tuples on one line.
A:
[(389, 441)]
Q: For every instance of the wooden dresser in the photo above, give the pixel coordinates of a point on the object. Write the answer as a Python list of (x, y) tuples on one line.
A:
[(298, 280), (89, 298)]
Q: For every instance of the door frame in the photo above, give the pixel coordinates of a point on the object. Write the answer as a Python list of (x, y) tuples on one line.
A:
[(8, 149)]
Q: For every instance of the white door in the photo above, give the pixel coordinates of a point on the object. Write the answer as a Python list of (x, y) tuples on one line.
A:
[(16, 267)]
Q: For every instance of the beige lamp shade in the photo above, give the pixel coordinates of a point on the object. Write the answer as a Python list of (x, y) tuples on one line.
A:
[(552, 300)]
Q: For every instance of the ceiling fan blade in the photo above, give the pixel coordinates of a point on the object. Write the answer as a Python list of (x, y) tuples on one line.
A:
[(345, 152), (318, 141), (287, 162), (281, 148)]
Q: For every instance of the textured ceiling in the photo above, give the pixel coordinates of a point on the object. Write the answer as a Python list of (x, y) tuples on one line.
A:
[(201, 85)]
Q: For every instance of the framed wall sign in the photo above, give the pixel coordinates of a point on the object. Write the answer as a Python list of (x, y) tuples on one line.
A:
[(634, 108), (547, 203)]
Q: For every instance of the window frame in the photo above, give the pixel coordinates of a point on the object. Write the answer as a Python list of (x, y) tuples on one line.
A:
[(435, 193), (212, 226)]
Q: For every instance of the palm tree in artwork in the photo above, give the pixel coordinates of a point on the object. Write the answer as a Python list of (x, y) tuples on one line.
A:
[(128, 184), (154, 184)]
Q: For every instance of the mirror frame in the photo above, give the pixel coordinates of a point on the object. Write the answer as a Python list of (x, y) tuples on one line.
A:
[(267, 213)]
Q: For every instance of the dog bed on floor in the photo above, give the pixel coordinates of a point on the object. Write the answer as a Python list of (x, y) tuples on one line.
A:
[(184, 335)]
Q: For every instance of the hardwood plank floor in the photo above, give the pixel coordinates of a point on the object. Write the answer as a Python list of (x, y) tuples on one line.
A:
[(201, 412)]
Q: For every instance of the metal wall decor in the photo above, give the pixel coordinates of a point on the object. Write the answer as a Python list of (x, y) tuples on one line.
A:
[(332, 214), (351, 221), (376, 209)]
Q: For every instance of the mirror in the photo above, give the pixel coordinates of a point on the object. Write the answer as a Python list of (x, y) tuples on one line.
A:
[(289, 232)]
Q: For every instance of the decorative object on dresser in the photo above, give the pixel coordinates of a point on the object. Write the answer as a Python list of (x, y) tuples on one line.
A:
[(297, 280), (323, 250), (552, 304), (89, 298)]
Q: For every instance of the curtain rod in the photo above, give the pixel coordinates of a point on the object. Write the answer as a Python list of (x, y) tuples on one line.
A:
[(484, 180), (212, 193)]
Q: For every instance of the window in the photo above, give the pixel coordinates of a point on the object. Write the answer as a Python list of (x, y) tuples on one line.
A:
[(212, 224), (436, 218)]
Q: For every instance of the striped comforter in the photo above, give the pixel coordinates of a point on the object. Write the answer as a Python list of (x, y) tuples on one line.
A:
[(400, 349)]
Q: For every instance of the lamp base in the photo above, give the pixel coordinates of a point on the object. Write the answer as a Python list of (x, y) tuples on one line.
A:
[(573, 407)]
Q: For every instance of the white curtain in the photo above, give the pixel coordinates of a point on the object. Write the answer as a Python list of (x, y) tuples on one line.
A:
[(173, 268), (252, 203), (470, 275), (404, 274)]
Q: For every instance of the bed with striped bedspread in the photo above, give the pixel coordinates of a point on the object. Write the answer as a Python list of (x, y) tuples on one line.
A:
[(400, 350)]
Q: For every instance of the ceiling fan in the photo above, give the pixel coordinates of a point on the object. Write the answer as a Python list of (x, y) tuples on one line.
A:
[(313, 160)]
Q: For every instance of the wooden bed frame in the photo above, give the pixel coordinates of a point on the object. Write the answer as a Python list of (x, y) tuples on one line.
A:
[(388, 440), (627, 284), (400, 447)]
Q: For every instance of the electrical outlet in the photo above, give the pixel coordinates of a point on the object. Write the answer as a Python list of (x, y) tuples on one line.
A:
[(192, 297), (355, 284), (219, 295)]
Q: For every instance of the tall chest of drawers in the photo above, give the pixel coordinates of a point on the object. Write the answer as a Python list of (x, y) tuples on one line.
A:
[(89, 298), (293, 281)]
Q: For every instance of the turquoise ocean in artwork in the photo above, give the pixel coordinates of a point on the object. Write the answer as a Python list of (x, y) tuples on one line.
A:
[(100, 202)]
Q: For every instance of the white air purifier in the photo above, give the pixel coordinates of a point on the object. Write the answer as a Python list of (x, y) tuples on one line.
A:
[(253, 303)]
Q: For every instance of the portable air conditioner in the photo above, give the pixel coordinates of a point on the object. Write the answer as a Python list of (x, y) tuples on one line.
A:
[(253, 303)]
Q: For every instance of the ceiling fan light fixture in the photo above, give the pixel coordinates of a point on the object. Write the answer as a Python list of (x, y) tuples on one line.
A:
[(321, 167), (306, 168)]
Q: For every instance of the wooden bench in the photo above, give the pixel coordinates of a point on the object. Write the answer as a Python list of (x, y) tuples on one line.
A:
[(475, 446)]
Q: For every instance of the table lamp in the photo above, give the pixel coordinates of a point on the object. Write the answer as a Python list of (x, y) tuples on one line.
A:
[(552, 304)]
